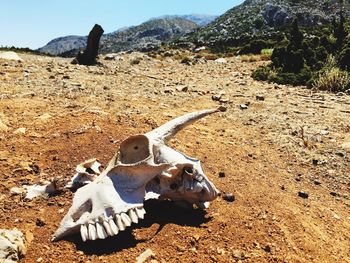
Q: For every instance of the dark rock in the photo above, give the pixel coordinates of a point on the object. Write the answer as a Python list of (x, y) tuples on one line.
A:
[(260, 97), (335, 194), (222, 174), (40, 222), (88, 57), (317, 182), (229, 197), (303, 194)]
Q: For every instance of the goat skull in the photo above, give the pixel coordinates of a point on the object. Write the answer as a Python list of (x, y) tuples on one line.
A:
[(144, 167)]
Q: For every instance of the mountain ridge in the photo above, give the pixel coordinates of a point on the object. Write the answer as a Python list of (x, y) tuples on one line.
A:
[(254, 18), (150, 33)]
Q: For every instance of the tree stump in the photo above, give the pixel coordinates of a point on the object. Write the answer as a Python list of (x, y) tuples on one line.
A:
[(88, 57)]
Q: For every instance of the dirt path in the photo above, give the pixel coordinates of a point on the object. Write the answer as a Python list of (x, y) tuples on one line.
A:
[(294, 140)]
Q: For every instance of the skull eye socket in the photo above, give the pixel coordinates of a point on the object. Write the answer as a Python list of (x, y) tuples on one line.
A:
[(134, 149)]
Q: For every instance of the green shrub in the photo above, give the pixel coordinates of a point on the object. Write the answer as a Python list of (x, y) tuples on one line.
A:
[(344, 59), (262, 73)]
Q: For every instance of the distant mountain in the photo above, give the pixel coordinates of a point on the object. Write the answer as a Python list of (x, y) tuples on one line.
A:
[(145, 36), (265, 18), (63, 44), (200, 20)]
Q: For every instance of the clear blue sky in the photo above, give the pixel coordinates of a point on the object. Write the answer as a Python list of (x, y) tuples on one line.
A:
[(33, 23)]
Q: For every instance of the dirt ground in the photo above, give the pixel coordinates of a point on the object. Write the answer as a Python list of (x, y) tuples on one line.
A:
[(294, 140)]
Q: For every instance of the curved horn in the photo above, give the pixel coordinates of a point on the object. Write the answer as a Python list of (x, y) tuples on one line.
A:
[(169, 129)]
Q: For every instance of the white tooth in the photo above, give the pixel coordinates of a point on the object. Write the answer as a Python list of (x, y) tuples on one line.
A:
[(92, 232), (84, 232), (139, 212), (107, 228), (113, 227), (101, 233), (119, 222), (134, 218), (126, 219)]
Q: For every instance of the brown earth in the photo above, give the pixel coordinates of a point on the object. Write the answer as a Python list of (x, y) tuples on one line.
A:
[(294, 140)]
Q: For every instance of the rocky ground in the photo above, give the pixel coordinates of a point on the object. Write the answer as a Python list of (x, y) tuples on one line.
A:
[(283, 152)]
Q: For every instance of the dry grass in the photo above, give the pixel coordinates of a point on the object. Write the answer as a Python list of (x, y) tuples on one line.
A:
[(255, 58), (333, 79)]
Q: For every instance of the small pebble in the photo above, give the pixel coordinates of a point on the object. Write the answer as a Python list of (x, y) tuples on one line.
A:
[(260, 97), (228, 197), (243, 107), (303, 195), (222, 174)]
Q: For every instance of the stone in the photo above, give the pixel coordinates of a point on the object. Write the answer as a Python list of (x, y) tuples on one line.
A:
[(216, 97), (243, 107), (199, 49), (3, 127), (260, 97), (110, 56), (12, 245), (229, 197), (20, 131), (346, 145), (10, 55), (148, 253), (182, 88), (221, 60), (304, 195)]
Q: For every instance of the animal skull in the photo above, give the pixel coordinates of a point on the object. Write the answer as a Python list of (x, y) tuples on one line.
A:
[(144, 167)]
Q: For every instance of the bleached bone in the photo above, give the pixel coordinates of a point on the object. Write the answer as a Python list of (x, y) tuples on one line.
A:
[(143, 167), (87, 172)]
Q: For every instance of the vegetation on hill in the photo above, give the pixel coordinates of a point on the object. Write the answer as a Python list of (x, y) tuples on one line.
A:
[(318, 57)]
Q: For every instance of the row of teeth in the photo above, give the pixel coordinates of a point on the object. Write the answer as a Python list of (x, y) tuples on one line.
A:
[(111, 226)]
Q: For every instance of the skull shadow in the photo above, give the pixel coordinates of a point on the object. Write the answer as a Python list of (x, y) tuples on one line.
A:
[(158, 212)]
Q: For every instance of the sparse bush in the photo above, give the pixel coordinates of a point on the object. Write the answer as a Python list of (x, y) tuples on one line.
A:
[(254, 47), (333, 79), (262, 73)]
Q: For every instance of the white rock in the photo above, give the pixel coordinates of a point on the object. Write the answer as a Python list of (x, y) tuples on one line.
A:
[(20, 131), (221, 60), (12, 245), (10, 55)]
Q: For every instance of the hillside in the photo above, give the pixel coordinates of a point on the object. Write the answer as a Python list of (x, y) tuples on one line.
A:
[(284, 157), (148, 34), (64, 44), (265, 18)]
